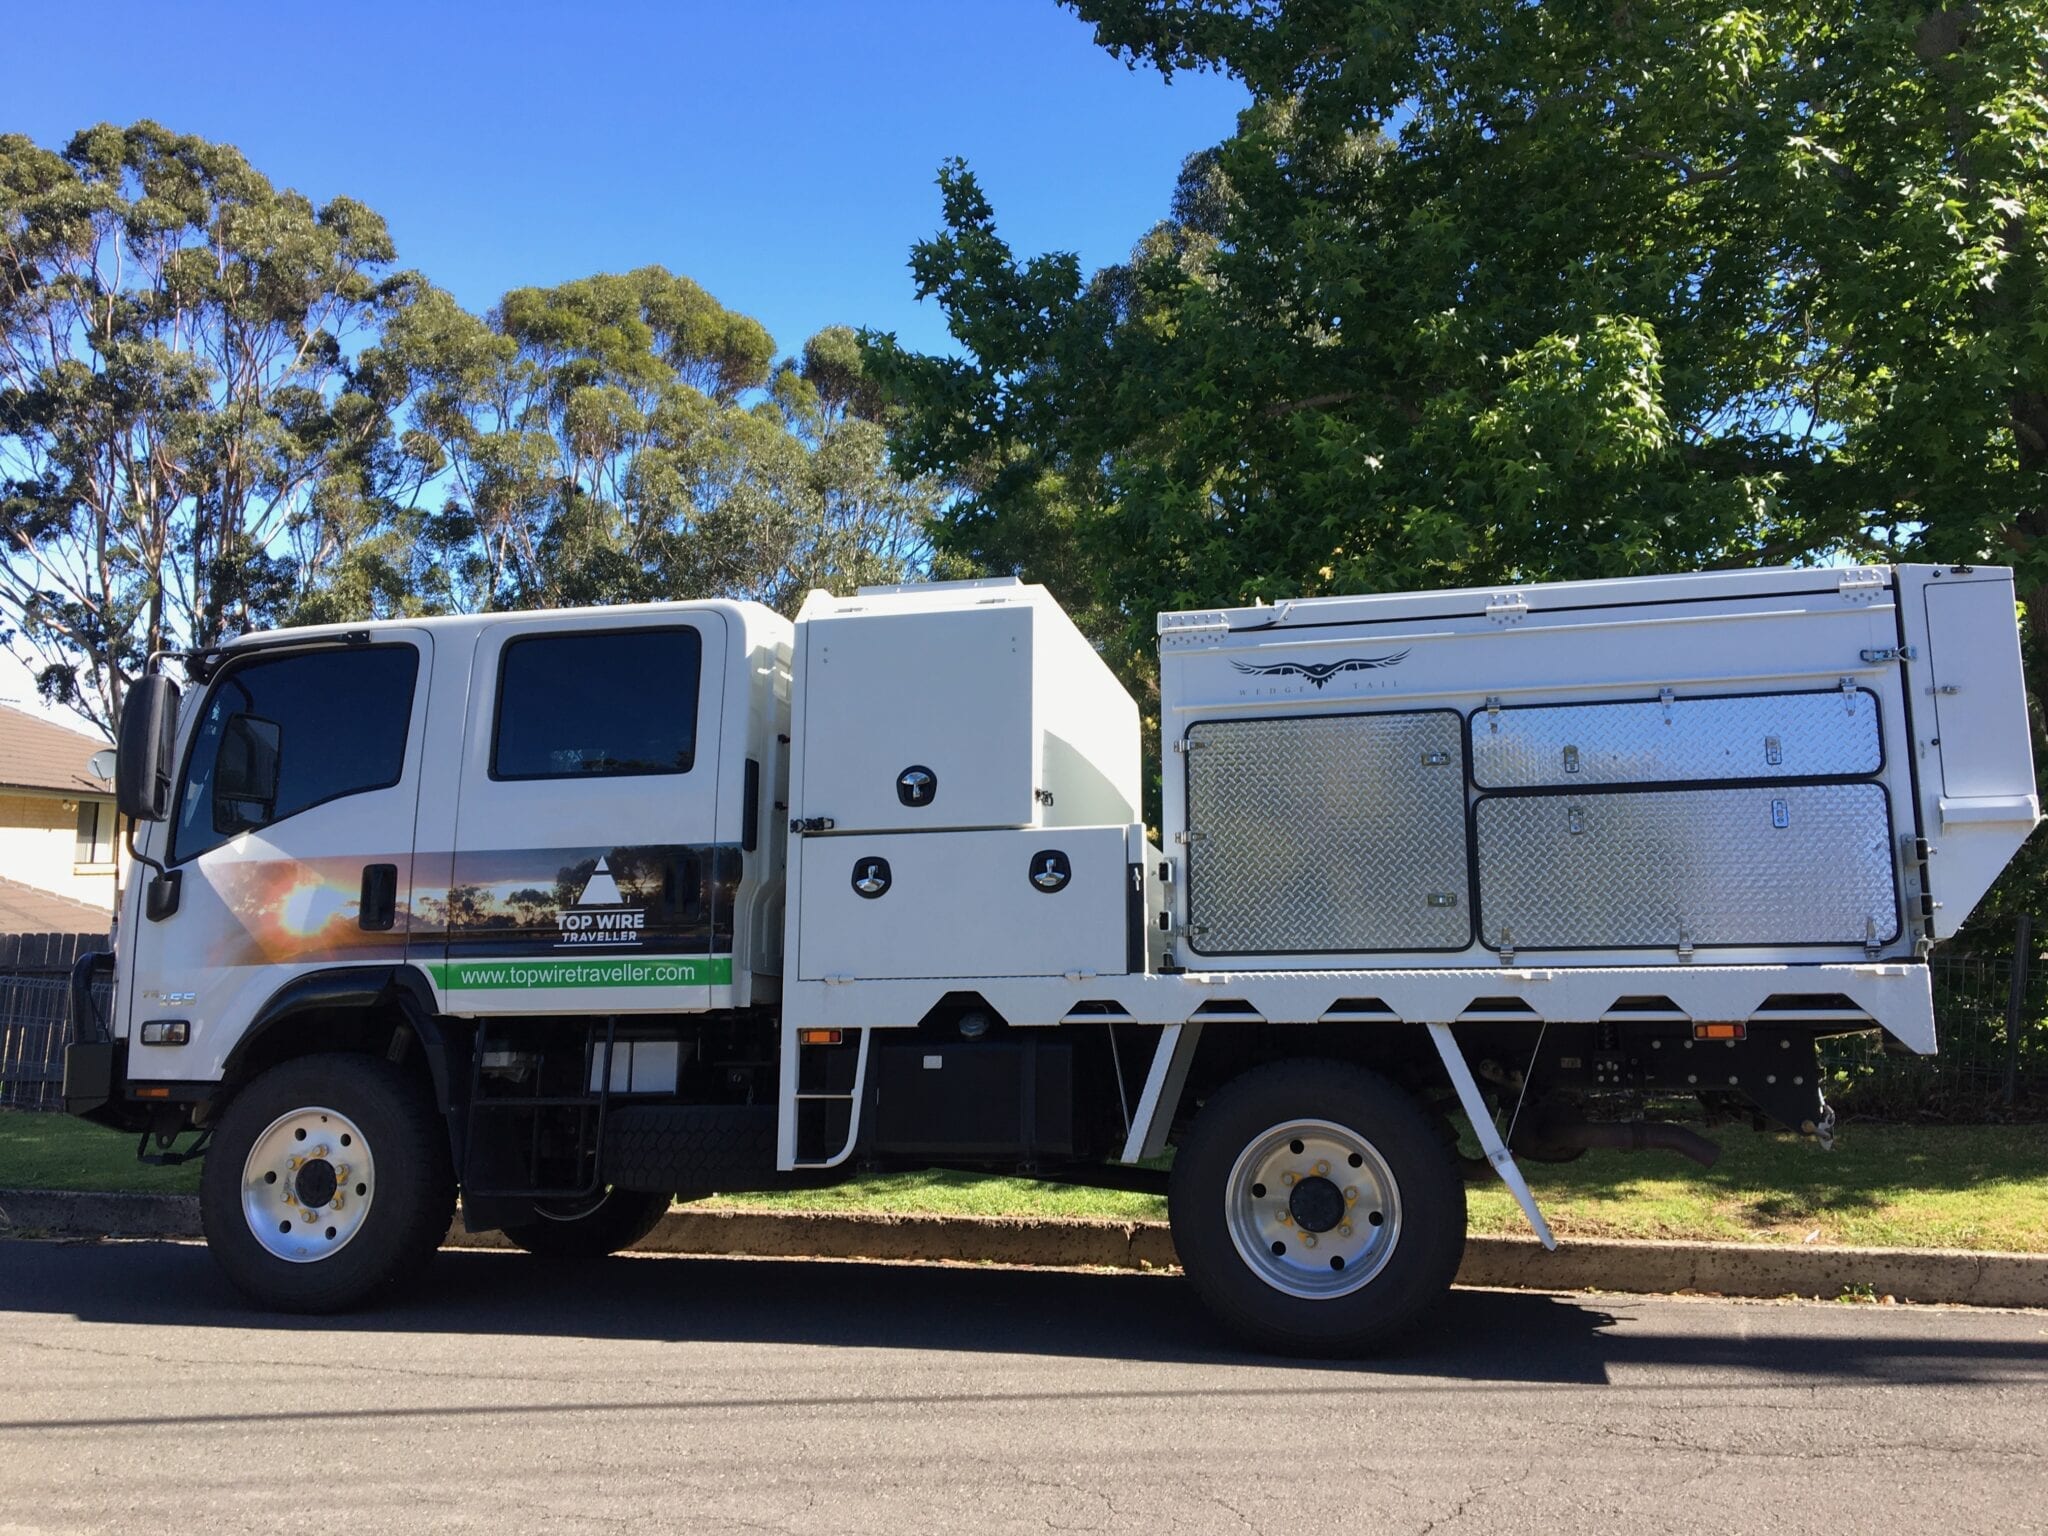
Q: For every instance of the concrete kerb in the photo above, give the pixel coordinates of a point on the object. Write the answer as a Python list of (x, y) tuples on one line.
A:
[(1725, 1269)]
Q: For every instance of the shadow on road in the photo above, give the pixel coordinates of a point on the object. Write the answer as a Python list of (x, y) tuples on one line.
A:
[(1479, 1336)]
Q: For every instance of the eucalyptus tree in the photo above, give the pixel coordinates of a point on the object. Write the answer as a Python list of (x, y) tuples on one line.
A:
[(193, 439), (625, 437)]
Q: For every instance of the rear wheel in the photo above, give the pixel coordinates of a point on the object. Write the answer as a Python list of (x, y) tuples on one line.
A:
[(590, 1229), (1315, 1208), (328, 1183)]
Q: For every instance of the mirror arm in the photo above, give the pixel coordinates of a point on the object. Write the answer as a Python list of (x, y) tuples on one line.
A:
[(160, 898), (136, 853)]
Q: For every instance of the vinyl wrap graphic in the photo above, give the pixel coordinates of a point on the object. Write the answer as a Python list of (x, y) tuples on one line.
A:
[(632, 915), (521, 920), (289, 911)]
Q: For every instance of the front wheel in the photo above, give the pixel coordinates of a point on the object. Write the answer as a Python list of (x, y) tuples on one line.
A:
[(1315, 1208), (328, 1182), (614, 1219)]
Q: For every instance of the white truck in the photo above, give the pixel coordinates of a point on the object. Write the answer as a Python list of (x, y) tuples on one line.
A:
[(574, 912)]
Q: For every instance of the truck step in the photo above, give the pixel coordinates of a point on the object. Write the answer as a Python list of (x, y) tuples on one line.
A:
[(693, 1149)]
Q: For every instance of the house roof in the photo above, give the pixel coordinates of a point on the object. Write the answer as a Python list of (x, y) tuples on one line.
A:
[(39, 754), (25, 909)]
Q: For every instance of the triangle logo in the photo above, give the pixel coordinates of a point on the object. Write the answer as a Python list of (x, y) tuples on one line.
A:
[(601, 890)]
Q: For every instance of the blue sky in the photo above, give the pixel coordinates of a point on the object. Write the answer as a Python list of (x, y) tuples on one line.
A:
[(780, 152)]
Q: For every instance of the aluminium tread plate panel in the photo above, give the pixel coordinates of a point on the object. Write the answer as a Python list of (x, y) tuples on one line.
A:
[(1332, 834), (1772, 866), (1826, 734)]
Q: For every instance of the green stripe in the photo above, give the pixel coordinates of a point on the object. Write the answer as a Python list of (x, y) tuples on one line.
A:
[(537, 974)]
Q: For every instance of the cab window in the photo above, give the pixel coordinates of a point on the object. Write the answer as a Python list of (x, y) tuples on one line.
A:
[(282, 734), (608, 705)]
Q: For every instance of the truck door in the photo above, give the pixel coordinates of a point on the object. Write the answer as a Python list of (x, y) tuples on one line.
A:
[(291, 840), (583, 877)]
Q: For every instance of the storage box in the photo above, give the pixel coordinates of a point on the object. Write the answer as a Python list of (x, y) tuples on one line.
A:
[(1026, 902), (957, 706)]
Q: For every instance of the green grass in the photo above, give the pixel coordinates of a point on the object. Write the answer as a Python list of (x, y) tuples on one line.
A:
[(53, 1151), (1887, 1186), (1884, 1185)]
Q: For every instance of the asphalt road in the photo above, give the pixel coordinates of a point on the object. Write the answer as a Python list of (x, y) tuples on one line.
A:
[(653, 1394)]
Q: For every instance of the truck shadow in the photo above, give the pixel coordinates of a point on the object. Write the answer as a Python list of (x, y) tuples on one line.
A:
[(1474, 1335)]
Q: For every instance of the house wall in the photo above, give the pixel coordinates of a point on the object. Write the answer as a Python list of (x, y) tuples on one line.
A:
[(39, 845)]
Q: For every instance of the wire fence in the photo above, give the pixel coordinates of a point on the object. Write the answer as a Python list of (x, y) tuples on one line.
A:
[(1991, 1013), (35, 1026), (1991, 1024)]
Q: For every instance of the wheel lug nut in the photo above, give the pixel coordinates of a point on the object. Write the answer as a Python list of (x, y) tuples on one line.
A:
[(1350, 1194), (1321, 1169), (1308, 1239)]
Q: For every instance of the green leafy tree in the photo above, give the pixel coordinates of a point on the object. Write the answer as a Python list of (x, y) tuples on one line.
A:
[(193, 439), (626, 438), (1488, 291)]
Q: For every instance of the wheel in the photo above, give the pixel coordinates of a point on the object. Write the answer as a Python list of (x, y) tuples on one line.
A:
[(328, 1182), (604, 1224), (1315, 1208)]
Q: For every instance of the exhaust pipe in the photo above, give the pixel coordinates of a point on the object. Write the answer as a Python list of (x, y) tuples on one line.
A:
[(1629, 1136)]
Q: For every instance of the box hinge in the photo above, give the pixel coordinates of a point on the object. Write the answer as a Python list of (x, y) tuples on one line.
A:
[(1507, 608), (1493, 713), (1192, 623), (1862, 583)]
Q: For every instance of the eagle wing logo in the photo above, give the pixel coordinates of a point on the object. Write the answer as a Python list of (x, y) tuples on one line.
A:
[(1320, 672)]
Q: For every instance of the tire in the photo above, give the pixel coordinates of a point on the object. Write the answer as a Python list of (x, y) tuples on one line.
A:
[(619, 1219), (1339, 1282), (348, 1140)]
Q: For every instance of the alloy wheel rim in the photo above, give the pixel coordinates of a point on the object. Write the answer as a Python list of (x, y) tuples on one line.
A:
[(1313, 1209), (308, 1184)]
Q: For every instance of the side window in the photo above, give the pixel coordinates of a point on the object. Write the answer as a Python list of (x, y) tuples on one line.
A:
[(597, 705), (95, 834), (282, 734)]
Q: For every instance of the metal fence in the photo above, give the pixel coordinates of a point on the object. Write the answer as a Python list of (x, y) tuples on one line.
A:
[(1991, 1011), (34, 1029), (1991, 1022)]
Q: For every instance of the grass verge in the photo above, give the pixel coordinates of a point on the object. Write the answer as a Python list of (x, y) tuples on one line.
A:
[(1888, 1186)]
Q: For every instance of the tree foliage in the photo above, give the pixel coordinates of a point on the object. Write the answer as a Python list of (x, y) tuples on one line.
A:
[(223, 407), (1488, 291), (624, 438), (187, 446)]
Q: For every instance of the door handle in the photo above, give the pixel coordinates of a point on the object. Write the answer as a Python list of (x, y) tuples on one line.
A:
[(378, 910)]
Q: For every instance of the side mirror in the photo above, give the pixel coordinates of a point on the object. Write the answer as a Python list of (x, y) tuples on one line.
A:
[(143, 757), (245, 774)]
